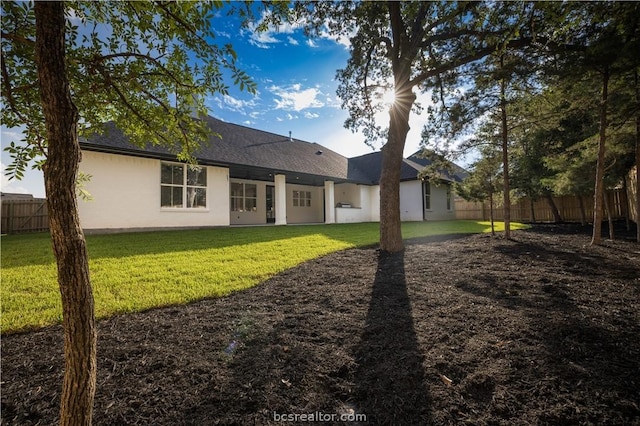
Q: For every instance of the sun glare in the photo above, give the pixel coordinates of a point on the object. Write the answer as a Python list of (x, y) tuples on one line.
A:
[(389, 97)]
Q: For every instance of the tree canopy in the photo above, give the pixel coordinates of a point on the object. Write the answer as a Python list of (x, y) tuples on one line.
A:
[(146, 66)]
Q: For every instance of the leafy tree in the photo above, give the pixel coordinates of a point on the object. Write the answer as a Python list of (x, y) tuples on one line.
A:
[(407, 46), (604, 47), (67, 67), (484, 179)]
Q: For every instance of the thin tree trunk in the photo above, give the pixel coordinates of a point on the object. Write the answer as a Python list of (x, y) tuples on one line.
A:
[(493, 227), (69, 247), (637, 84), (625, 203), (505, 154), (607, 208), (532, 210), (599, 186), (557, 218)]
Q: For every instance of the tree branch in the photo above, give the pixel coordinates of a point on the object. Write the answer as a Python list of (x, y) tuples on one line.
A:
[(18, 39), (155, 61)]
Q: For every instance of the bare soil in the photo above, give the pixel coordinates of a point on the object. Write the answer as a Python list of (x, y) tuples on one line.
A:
[(542, 329)]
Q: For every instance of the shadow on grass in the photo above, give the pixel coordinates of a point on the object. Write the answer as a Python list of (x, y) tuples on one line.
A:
[(19, 250), (390, 378)]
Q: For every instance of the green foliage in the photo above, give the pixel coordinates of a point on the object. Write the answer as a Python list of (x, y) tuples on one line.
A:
[(138, 271), (146, 66)]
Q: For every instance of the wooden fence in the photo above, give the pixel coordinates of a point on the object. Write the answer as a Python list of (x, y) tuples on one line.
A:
[(525, 211), (24, 216)]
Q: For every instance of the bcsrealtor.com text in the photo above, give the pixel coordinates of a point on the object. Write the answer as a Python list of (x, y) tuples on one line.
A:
[(319, 416)]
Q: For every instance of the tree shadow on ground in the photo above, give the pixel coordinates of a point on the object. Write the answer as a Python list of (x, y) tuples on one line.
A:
[(390, 378), (585, 352)]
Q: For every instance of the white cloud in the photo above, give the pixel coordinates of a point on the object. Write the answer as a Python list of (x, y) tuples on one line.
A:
[(311, 43), (237, 105), (11, 186), (294, 98), (308, 114), (265, 38), (293, 41), (342, 40)]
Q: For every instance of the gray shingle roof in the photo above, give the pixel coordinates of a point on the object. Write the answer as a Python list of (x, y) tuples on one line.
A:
[(245, 148), (257, 154), (411, 167)]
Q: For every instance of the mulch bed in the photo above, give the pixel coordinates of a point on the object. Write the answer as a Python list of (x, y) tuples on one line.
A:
[(543, 329)]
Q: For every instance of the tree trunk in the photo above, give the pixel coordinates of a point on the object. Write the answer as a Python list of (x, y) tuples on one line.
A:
[(505, 154), (493, 227), (532, 209), (69, 247), (607, 208), (625, 203), (637, 84), (505, 159), (599, 186), (390, 225), (554, 209)]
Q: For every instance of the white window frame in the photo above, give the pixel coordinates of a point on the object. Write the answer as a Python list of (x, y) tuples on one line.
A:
[(243, 198), (186, 186)]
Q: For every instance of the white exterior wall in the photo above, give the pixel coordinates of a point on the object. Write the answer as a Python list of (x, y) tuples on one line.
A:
[(411, 201), (126, 194), (348, 193), (363, 201), (374, 197), (438, 209), (298, 214)]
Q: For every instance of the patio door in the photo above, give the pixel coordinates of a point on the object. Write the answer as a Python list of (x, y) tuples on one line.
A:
[(271, 204)]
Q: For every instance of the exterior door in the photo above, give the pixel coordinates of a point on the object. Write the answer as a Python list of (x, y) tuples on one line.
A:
[(271, 204)]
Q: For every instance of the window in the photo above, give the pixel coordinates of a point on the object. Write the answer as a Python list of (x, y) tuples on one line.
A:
[(426, 189), (448, 197), (244, 197), (301, 199), (183, 186)]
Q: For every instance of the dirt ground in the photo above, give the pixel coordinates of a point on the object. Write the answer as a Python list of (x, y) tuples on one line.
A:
[(543, 329)]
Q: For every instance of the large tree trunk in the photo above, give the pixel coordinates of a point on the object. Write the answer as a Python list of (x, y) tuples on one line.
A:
[(599, 186), (505, 155), (60, 172), (392, 154)]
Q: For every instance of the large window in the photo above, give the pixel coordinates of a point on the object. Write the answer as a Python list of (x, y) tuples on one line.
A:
[(183, 186), (301, 199), (244, 197)]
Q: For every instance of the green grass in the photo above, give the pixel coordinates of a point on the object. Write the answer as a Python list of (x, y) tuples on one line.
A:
[(137, 271)]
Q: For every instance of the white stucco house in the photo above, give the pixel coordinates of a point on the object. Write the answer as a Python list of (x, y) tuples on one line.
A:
[(246, 177)]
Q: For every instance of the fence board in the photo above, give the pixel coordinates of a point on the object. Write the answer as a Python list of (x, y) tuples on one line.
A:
[(24, 216), (521, 211)]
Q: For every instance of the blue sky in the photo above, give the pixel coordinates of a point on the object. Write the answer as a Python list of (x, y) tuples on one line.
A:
[(296, 93)]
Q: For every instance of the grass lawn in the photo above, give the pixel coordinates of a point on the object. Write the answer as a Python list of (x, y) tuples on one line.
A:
[(137, 271)]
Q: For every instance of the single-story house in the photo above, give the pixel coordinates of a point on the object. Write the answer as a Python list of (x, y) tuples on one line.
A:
[(246, 177)]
